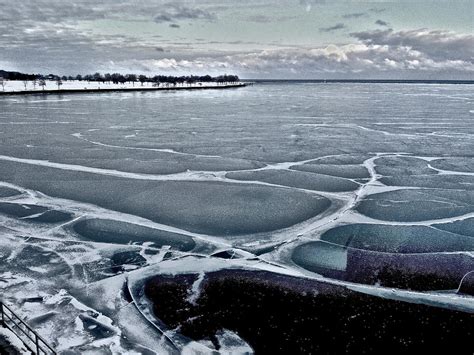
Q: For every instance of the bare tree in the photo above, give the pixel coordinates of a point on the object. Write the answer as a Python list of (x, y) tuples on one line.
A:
[(59, 82), (34, 84), (42, 83), (2, 82), (98, 77), (132, 78), (25, 83), (142, 79)]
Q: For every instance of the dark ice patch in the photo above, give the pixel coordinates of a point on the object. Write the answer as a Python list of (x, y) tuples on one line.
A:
[(417, 205), (455, 182), (402, 166), (20, 210), (34, 259), (117, 232), (279, 314), (52, 217), (155, 162), (323, 258), (213, 208), (227, 254), (467, 284), (398, 239), (423, 272), (343, 159), (298, 179), (343, 171), (459, 164), (39, 320), (96, 328), (121, 260), (463, 227), (34, 213), (8, 192)]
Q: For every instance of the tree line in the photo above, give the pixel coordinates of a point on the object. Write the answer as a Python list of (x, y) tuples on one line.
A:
[(118, 78)]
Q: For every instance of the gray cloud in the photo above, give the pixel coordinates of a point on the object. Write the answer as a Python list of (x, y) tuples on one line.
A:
[(382, 23), (48, 11), (377, 10), (438, 45), (64, 11), (174, 12), (336, 27), (49, 36), (354, 15)]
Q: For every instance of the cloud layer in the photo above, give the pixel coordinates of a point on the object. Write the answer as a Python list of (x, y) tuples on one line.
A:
[(51, 36), (385, 54)]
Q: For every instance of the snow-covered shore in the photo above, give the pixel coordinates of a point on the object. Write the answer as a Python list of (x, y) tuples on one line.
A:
[(27, 87), (11, 344)]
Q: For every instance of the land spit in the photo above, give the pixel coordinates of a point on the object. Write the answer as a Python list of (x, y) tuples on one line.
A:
[(97, 88)]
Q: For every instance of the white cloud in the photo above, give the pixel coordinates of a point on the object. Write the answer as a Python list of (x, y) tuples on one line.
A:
[(415, 53)]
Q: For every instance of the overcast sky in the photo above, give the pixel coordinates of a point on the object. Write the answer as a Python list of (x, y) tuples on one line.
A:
[(426, 39)]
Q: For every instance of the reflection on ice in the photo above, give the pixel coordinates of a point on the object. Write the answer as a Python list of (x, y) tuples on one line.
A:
[(466, 286), (263, 306), (398, 239), (422, 271)]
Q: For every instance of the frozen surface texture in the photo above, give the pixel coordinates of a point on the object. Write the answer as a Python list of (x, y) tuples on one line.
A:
[(117, 232), (159, 222)]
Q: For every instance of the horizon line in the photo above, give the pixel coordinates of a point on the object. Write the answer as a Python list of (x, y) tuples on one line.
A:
[(470, 81)]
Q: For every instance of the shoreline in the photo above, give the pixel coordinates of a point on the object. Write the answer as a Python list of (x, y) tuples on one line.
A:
[(118, 89)]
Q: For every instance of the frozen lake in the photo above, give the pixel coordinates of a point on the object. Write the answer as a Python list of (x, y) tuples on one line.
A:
[(368, 188)]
